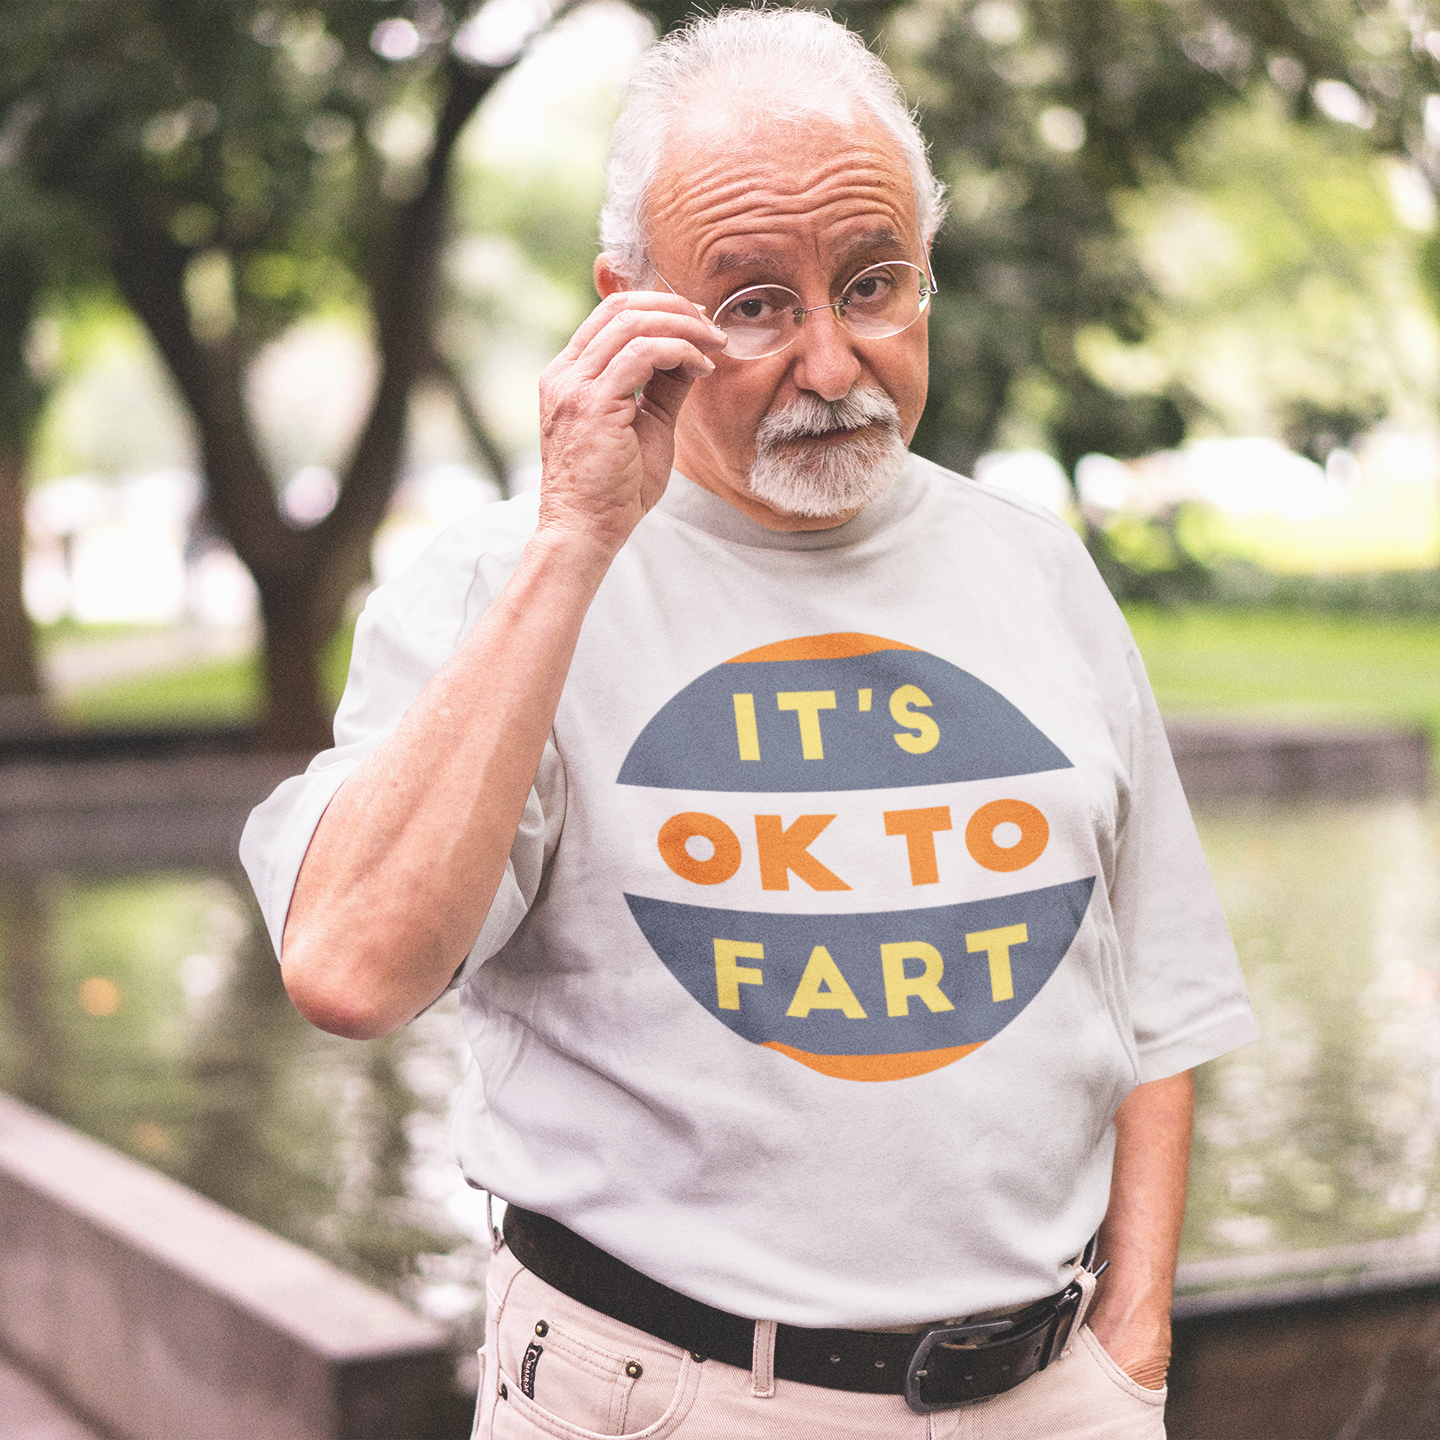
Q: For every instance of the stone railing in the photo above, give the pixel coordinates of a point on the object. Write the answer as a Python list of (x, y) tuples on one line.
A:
[(158, 1315)]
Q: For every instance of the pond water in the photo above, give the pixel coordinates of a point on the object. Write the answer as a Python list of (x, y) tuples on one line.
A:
[(1327, 1131), (147, 1011)]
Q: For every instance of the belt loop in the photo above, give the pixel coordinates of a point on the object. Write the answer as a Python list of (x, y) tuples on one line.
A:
[(497, 1240), (1086, 1279), (762, 1361)]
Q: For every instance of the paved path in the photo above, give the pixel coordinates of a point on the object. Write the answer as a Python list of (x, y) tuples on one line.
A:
[(76, 663), (29, 1413)]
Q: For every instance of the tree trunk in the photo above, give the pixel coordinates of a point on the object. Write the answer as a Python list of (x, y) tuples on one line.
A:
[(297, 717), (21, 709), (305, 577)]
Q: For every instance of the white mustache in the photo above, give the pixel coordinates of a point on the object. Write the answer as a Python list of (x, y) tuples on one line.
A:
[(810, 416)]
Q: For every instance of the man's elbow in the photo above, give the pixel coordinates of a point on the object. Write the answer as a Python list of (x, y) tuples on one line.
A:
[(336, 1003)]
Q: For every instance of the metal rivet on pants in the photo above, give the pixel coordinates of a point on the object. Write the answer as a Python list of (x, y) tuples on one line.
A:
[(697, 1357), (504, 1393), (541, 1328), (834, 1359), (879, 1364), (634, 1369)]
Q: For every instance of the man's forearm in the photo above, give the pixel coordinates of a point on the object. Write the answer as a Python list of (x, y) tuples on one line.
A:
[(1140, 1236), (406, 861), (408, 856)]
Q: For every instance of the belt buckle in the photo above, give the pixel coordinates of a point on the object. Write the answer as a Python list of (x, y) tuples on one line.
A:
[(976, 1337), (955, 1336)]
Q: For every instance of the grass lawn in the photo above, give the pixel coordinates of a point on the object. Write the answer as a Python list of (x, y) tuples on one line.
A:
[(218, 692), (1284, 665), (1267, 664)]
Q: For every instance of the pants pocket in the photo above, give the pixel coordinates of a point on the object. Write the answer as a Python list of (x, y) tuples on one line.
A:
[(1116, 1375), (605, 1391), (556, 1367)]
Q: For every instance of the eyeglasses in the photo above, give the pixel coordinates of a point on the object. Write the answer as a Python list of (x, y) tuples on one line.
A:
[(882, 300)]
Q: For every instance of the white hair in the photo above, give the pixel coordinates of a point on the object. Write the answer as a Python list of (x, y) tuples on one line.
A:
[(774, 66)]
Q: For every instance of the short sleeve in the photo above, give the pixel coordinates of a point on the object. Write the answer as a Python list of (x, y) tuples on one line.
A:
[(1188, 1000), (406, 632)]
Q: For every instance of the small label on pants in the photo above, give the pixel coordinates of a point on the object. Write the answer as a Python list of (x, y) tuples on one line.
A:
[(531, 1359)]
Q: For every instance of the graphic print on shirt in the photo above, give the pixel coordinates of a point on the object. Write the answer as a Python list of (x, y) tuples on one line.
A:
[(844, 725)]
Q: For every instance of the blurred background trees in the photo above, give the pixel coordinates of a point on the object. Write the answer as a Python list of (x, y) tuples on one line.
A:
[(1168, 216), (241, 166)]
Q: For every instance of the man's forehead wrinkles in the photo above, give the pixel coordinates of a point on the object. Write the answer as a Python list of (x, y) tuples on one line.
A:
[(729, 229), (705, 205), (723, 262), (728, 174)]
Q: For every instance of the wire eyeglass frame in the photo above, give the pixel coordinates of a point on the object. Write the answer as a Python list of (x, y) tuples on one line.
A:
[(798, 311)]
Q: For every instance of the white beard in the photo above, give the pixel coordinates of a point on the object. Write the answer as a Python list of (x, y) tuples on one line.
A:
[(828, 479)]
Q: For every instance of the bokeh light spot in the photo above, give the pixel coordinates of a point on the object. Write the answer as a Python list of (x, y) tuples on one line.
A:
[(99, 996)]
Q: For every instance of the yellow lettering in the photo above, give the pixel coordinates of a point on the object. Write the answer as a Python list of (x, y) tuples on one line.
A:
[(927, 735), (899, 986), (729, 976), (996, 944), (823, 987), (864, 700), (919, 827), (782, 851), (807, 705), (745, 732)]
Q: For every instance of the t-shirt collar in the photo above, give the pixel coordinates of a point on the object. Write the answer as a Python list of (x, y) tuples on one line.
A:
[(690, 503)]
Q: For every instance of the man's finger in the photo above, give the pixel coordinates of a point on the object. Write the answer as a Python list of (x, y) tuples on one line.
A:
[(664, 393), (628, 302), (639, 359), (631, 325)]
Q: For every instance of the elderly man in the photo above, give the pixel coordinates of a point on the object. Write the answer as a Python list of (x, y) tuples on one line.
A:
[(796, 824)]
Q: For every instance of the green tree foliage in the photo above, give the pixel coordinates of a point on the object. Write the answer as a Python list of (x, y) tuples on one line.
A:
[(1288, 300), (240, 164), (1043, 116)]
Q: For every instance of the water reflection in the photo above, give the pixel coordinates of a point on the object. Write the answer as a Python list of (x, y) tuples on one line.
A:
[(1326, 1131), (147, 1010)]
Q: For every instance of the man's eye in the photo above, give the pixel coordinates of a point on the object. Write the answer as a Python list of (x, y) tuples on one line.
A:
[(869, 288), (761, 306)]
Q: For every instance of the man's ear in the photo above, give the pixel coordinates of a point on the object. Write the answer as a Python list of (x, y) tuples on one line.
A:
[(608, 280)]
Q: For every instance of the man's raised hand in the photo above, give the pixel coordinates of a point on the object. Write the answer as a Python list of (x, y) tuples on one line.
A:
[(605, 453)]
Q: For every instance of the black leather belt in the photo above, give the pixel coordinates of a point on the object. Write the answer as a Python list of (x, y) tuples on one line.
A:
[(944, 1366)]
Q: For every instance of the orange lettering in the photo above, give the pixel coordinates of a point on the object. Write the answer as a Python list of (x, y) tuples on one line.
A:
[(782, 851), (980, 835), (679, 829), (919, 827)]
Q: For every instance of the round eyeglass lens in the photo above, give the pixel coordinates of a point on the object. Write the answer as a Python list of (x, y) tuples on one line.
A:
[(760, 320), (882, 300)]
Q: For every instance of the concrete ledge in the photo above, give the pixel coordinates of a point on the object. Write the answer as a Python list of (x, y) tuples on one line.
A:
[(162, 1316), (1220, 760), (124, 815), (188, 810), (1309, 1345)]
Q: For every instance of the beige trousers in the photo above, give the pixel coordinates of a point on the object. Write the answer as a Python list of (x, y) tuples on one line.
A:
[(552, 1367)]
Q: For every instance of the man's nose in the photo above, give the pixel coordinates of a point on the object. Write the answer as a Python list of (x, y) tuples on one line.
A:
[(825, 360)]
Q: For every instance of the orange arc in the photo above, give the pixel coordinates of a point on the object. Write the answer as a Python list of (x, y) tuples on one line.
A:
[(840, 646), (876, 1067)]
